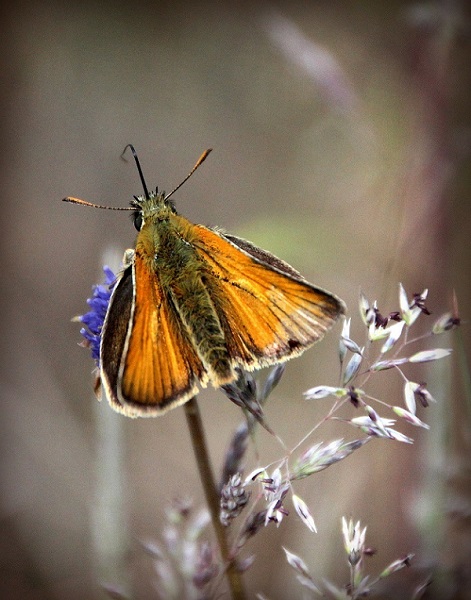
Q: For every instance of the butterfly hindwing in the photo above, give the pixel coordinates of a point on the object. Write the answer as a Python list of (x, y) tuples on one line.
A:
[(113, 337)]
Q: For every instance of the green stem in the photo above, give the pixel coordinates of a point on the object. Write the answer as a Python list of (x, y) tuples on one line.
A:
[(200, 449)]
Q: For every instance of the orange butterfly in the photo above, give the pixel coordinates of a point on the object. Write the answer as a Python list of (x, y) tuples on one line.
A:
[(193, 304)]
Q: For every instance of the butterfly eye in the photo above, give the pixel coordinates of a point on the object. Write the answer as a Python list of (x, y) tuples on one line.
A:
[(137, 217)]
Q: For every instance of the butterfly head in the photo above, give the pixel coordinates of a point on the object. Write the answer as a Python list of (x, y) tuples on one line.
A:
[(156, 207)]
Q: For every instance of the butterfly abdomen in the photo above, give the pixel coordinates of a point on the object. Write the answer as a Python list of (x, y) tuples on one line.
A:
[(197, 312)]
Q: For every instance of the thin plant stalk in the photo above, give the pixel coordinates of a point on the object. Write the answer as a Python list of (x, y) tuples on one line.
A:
[(200, 449), (110, 532)]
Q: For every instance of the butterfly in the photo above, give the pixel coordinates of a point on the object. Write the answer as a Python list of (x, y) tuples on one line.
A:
[(193, 305)]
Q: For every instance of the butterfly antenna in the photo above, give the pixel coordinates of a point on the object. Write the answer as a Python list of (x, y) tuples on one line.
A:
[(138, 164), (85, 203), (201, 159)]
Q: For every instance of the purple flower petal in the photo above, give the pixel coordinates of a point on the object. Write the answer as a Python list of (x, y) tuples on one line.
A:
[(94, 318)]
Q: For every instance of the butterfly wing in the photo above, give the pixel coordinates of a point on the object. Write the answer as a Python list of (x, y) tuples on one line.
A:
[(113, 335), (158, 367), (269, 313)]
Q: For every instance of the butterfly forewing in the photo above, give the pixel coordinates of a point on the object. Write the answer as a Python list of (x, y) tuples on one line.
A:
[(171, 368), (268, 311)]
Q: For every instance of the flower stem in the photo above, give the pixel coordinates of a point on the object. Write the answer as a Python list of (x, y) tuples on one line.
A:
[(195, 425)]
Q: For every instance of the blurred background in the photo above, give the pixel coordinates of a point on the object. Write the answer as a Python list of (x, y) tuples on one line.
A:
[(341, 136)]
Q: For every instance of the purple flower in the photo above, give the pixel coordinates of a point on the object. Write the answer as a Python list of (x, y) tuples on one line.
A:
[(93, 320)]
